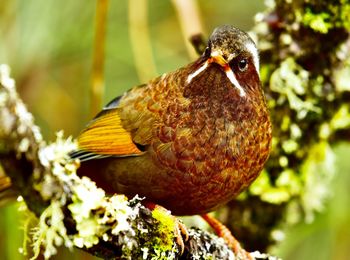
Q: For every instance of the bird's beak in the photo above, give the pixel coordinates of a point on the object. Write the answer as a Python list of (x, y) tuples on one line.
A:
[(216, 57)]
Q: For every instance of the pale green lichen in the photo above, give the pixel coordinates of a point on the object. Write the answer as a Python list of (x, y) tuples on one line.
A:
[(202, 249), (54, 157), (310, 184), (325, 131), (18, 116), (335, 14), (288, 179), (7, 120), (316, 173), (285, 123), (283, 161), (342, 78), (275, 195), (295, 131), (290, 146), (29, 220), (95, 215), (50, 232), (57, 152), (5, 79), (287, 185), (85, 199), (341, 119), (114, 213), (261, 184), (118, 209), (290, 81)]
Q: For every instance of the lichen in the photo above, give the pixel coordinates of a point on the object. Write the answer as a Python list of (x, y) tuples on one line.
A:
[(29, 220), (202, 249), (290, 80), (341, 118), (316, 173), (96, 215), (342, 77), (5, 79), (85, 199), (322, 16), (60, 169), (15, 118), (50, 232)]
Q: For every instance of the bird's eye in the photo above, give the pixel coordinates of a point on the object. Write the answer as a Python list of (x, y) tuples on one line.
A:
[(243, 65)]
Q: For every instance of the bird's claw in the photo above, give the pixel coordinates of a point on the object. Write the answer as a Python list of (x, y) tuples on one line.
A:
[(181, 232)]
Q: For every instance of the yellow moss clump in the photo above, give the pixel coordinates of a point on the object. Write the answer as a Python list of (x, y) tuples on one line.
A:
[(164, 242)]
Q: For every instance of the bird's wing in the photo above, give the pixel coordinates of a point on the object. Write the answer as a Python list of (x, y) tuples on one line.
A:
[(105, 136)]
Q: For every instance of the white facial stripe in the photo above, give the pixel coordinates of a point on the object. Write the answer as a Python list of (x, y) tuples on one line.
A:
[(229, 75), (232, 78), (254, 52), (197, 72)]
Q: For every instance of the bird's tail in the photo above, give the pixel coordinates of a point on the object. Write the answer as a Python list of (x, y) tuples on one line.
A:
[(7, 193)]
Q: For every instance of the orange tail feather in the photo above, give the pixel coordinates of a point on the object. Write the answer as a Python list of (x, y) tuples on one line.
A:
[(7, 194)]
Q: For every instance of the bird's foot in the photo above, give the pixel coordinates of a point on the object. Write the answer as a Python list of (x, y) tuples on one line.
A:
[(222, 231), (181, 232)]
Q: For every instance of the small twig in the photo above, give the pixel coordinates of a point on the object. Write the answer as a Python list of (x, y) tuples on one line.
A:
[(190, 21), (140, 40), (198, 42), (97, 86)]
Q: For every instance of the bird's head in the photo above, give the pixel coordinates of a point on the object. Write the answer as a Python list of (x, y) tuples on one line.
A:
[(237, 55)]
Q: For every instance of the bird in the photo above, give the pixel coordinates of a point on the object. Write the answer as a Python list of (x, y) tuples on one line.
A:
[(189, 140)]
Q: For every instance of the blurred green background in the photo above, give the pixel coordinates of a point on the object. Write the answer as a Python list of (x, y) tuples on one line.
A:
[(49, 46)]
